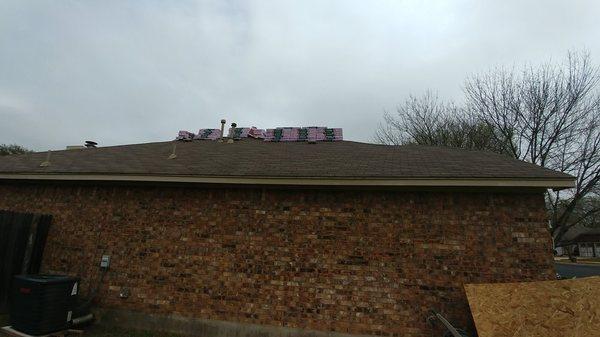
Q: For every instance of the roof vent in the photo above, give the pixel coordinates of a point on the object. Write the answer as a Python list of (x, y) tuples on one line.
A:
[(231, 132), (173, 155), (46, 162), (223, 121), (90, 144)]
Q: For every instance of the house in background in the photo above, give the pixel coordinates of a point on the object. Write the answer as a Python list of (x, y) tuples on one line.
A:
[(582, 241), (322, 235), (588, 245)]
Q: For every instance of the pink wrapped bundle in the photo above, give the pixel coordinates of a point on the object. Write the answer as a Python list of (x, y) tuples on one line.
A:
[(282, 134), (316, 133), (290, 135), (334, 134), (185, 135), (296, 134), (210, 134), (256, 133), (273, 135), (269, 135), (338, 134), (237, 133)]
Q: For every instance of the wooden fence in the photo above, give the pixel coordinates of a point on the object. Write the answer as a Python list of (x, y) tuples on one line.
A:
[(22, 240)]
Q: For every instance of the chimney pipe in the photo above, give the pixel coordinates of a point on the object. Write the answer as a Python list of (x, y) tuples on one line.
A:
[(223, 121), (90, 144), (231, 132)]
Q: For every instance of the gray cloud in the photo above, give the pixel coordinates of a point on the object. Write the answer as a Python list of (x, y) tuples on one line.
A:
[(130, 71)]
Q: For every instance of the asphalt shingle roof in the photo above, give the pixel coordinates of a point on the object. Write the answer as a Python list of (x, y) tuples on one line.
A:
[(255, 158)]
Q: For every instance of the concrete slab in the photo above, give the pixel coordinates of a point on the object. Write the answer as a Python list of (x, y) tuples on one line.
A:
[(196, 327)]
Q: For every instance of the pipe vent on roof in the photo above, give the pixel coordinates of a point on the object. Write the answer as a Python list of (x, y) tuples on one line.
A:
[(223, 121), (46, 162), (90, 144), (173, 155)]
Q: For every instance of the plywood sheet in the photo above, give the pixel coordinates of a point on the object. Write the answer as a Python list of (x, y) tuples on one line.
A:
[(532, 309)]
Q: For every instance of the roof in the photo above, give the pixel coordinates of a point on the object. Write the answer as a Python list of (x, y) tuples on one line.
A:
[(578, 233), (254, 161), (585, 238)]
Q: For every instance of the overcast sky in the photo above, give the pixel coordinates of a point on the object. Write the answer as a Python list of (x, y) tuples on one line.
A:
[(136, 71)]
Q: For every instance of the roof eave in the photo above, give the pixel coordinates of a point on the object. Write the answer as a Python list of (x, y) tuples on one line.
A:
[(554, 183)]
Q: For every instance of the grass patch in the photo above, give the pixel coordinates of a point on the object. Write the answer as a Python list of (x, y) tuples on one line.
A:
[(102, 331)]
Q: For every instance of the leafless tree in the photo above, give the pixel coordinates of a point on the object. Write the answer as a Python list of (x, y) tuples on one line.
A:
[(426, 120), (548, 115)]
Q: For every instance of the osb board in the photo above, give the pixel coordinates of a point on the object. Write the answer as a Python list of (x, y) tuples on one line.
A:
[(532, 309)]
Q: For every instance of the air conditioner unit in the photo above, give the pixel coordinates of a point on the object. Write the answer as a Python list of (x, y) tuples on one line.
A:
[(42, 304)]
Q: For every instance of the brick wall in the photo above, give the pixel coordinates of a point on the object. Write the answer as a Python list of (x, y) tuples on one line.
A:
[(369, 262)]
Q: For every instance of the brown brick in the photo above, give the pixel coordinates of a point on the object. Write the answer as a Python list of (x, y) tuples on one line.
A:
[(368, 262)]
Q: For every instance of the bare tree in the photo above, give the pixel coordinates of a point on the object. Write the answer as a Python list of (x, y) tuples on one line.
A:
[(548, 115), (426, 120)]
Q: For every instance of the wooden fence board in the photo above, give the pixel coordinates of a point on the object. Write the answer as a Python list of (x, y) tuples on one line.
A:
[(21, 247)]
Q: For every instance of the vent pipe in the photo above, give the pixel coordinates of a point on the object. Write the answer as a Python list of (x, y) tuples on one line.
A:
[(46, 162), (223, 121), (90, 144), (173, 155), (231, 132)]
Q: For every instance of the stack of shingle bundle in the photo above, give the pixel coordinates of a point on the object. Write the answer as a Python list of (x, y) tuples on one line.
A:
[(238, 133), (282, 134), (185, 136), (296, 134), (303, 135), (316, 134), (320, 134), (210, 134), (256, 133), (273, 135), (333, 134), (252, 132)]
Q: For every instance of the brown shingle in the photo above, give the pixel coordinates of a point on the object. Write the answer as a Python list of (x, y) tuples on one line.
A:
[(255, 158)]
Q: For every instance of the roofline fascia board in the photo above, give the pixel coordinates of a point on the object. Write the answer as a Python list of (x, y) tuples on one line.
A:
[(307, 181)]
